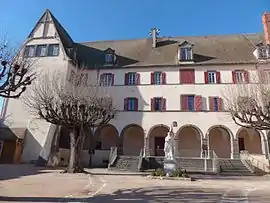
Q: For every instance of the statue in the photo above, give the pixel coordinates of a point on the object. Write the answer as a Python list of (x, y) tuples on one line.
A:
[(169, 145)]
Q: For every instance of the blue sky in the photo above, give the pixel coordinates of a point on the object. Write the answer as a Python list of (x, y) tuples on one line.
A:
[(89, 20)]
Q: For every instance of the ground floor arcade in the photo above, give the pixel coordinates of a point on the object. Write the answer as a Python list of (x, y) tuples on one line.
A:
[(190, 141)]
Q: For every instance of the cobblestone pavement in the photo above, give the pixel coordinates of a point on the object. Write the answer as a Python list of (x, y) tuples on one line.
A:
[(30, 184)]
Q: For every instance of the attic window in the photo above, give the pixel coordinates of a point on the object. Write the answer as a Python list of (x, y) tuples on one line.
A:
[(185, 52), (109, 58), (263, 51)]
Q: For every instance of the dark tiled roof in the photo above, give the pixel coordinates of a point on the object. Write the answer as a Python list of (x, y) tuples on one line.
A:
[(223, 49)]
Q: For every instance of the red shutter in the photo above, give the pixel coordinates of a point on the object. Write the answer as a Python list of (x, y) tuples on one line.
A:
[(211, 103), (206, 77), (220, 104), (136, 104), (163, 104), (126, 78), (234, 77), (184, 102), (198, 103), (163, 78), (138, 79), (125, 104), (152, 78), (152, 104), (218, 77), (246, 76), (187, 76), (112, 79)]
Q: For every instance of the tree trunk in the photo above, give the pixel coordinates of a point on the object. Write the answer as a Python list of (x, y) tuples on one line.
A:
[(76, 145)]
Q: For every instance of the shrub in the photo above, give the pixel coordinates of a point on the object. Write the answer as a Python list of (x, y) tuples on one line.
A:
[(177, 173), (159, 172)]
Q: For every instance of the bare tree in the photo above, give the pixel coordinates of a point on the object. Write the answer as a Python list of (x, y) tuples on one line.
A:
[(74, 106), (15, 73), (249, 104)]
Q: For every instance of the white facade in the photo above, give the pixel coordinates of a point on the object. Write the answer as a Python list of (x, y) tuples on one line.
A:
[(17, 116)]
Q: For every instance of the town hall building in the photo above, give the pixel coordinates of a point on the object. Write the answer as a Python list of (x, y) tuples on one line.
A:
[(154, 82)]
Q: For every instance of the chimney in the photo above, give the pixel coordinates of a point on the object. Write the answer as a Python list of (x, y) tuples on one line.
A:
[(266, 27), (154, 33)]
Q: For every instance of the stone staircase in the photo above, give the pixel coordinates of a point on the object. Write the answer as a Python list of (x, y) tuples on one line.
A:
[(129, 163), (235, 167)]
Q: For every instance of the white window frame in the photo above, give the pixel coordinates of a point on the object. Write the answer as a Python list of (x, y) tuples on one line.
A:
[(106, 79), (157, 78), (212, 77), (132, 78), (186, 54)]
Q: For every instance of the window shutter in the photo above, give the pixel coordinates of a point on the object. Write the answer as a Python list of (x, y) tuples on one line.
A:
[(246, 76), (163, 78), (218, 77), (152, 78), (187, 76), (198, 103), (138, 78), (234, 77), (206, 77), (184, 102), (136, 104), (191, 77), (126, 79), (112, 79), (220, 104), (125, 104), (164, 104), (211, 103), (152, 104)]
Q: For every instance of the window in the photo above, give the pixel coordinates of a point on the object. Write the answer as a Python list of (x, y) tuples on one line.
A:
[(132, 78), (187, 76), (41, 50), (106, 79), (29, 51), (240, 76), (131, 104), (215, 104), (157, 104), (212, 77), (53, 50), (191, 102), (157, 78), (109, 58), (186, 54)]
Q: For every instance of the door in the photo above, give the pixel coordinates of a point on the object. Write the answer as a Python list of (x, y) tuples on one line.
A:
[(159, 146), (241, 143)]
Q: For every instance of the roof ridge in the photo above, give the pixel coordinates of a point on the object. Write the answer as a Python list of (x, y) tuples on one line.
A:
[(172, 37)]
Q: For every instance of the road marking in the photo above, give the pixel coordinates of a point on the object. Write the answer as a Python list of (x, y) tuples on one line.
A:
[(99, 190)]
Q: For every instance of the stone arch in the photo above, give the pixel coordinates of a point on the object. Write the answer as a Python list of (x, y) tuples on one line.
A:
[(220, 134), (105, 137), (156, 136), (250, 140), (132, 137), (189, 141)]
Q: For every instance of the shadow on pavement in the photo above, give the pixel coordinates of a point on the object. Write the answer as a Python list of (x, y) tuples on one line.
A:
[(11, 171)]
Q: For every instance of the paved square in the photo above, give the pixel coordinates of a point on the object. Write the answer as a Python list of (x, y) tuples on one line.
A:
[(25, 183)]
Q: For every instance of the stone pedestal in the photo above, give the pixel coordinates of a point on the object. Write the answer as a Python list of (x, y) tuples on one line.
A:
[(169, 167)]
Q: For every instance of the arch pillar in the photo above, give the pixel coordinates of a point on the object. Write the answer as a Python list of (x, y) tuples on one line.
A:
[(264, 143), (204, 148), (176, 151), (146, 152), (235, 149)]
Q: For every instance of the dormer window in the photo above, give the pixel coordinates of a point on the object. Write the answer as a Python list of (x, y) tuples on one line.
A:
[(110, 57), (262, 51), (185, 52)]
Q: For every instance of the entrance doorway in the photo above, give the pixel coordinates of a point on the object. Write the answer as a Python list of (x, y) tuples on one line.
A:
[(241, 143), (159, 146)]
